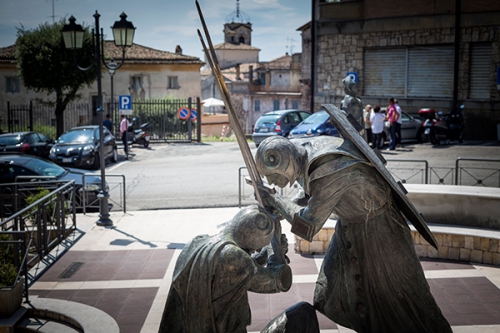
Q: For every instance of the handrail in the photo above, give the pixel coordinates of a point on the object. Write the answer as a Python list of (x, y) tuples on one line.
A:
[(426, 170)]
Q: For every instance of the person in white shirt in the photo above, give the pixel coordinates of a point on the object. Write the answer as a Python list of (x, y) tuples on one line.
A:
[(377, 120), (124, 124)]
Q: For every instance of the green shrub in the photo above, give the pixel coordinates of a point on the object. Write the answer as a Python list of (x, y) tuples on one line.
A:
[(8, 271)]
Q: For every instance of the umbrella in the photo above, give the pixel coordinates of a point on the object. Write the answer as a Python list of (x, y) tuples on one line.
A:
[(212, 102)]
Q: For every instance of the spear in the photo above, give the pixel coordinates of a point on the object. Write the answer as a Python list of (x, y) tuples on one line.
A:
[(235, 124)]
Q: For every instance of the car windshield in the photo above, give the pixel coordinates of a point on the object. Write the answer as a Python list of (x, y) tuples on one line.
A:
[(45, 168), (10, 140), (316, 118), (77, 136), (267, 120)]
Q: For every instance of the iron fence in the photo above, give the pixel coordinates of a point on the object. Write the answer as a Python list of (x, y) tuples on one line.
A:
[(41, 225), (162, 116), (477, 172)]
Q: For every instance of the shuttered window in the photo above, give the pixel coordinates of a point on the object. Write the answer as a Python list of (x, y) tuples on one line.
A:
[(480, 71), (409, 72), (430, 72), (385, 71)]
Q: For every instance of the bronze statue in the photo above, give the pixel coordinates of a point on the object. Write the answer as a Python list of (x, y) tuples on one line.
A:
[(352, 104), (371, 279), (213, 274)]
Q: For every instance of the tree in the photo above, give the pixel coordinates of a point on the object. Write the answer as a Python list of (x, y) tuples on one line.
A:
[(46, 65)]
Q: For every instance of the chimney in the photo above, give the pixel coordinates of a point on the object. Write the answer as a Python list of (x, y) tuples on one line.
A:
[(238, 72), (178, 49)]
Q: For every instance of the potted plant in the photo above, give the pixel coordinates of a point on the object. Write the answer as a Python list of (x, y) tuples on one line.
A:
[(11, 287)]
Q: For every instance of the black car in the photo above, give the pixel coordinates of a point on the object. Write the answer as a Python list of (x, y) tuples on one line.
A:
[(80, 147), (15, 168), (32, 143)]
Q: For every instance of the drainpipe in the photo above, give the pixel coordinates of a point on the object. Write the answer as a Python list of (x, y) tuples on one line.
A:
[(458, 15), (313, 52)]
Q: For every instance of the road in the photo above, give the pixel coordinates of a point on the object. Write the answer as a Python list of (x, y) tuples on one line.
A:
[(198, 175)]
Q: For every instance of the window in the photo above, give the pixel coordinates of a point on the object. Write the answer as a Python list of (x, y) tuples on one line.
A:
[(276, 104), (295, 104), (12, 84), (242, 40), (262, 78), (172, 82), (136, 85), (257, 105), (292, 118), (410, 72), (480, 71)]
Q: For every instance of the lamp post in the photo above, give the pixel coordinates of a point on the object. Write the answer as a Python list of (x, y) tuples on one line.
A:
[(73, 35), (112, 66)]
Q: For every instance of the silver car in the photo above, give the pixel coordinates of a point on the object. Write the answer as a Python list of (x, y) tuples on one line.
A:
[(278, 122), (411, 129)]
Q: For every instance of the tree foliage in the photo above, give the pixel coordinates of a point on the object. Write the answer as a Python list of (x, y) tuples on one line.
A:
[(45, 65)]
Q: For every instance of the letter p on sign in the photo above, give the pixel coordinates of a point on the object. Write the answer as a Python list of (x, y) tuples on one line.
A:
[(125, 104)]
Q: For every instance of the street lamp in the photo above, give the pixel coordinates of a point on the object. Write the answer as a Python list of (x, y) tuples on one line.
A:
[(73, 35), (112, 66)]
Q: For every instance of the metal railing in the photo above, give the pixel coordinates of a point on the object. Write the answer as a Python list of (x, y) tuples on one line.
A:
[(116, 188), (45, 223), (406, 174), (475, 174)]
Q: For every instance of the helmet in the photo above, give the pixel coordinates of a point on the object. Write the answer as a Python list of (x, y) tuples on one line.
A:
[(252, 227), (351, 87), (276, 155)]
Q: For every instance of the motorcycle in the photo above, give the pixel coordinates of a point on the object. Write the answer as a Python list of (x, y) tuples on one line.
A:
[(138, 136), (443, 127)]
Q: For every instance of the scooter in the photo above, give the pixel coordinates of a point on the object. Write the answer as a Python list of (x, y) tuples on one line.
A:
[(443, 127), (139, 136)]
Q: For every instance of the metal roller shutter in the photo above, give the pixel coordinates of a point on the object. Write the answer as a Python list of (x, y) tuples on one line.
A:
[(385, 72), (430, 72), (480, 71)]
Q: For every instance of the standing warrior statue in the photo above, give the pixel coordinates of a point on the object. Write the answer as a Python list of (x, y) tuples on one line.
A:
[(351, 104)]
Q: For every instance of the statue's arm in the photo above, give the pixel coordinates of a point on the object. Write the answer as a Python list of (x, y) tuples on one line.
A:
[(273, 278)]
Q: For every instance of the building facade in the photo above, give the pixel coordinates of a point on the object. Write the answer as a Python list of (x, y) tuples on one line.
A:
[(408, 50)]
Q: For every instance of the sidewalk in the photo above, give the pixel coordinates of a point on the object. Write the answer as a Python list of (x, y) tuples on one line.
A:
[(126, 271)]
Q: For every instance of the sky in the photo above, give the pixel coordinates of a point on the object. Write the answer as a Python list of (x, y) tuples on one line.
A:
[(164, 24)]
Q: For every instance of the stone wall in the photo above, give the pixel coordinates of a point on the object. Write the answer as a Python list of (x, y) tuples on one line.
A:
[(338, 54)]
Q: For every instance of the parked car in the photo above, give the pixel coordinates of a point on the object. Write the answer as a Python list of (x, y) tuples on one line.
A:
[(80, 147), (411, 129), (25, 168), (32, 143), (277, 123), (317, 124)]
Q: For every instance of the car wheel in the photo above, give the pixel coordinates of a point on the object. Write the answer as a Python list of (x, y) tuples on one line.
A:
[(256, 145), (146, 144), (114, 157), (97, 163), (421, 136)]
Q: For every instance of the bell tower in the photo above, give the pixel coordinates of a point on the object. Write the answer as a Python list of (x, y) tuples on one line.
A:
[(238, 29)]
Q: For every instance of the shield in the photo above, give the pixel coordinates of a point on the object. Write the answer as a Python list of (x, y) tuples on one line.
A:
[(347, 130)]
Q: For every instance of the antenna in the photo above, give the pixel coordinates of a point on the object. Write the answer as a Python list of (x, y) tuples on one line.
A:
[(290, 41), (53, 12)]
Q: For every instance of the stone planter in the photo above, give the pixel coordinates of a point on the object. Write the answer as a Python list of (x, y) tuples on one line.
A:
[(10, 299)]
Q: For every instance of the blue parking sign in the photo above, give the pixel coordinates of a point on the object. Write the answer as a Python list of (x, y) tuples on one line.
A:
[(125, 104), (353, 76)]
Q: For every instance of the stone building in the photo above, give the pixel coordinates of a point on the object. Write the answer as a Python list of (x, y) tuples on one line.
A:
[(408, 50)]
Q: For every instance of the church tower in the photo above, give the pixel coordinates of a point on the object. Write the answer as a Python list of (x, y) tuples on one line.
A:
[(238, 30)]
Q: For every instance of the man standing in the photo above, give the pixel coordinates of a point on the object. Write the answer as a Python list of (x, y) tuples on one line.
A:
[(399, 123), (108, 123), (124, 124), (392, 118)]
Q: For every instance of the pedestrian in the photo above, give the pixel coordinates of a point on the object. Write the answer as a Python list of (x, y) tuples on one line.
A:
[(368, 125), (392, 118), (399, 123), (108, 123), (124, 124), (377, 122)]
